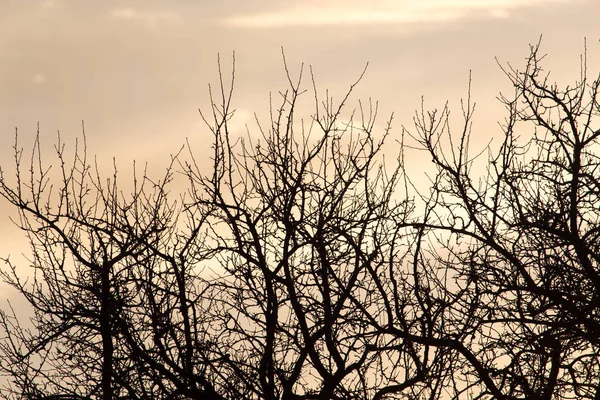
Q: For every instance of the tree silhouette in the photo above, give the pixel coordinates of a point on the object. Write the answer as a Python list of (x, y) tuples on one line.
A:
[(303, 221), (519, 239), (110, 311), (301, 266)]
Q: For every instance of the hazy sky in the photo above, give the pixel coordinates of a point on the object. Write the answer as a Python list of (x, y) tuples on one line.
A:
[(137, 71)]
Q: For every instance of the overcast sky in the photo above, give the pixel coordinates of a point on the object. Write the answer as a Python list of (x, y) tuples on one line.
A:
[(137, 71)]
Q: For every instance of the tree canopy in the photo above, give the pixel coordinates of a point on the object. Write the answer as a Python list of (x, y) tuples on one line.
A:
[(304, 265)]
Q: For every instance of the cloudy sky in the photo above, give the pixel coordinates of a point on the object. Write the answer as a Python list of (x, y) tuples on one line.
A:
[(137, 71)]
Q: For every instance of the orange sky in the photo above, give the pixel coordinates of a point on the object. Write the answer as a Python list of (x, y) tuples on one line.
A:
[(136, 71)]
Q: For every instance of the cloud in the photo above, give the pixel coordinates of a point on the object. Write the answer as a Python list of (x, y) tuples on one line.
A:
[(48, 4), (50, 7), (150, 18), (356, 12), (241, 119), (39, 78)]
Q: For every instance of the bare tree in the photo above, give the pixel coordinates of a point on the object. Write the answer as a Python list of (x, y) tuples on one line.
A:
[(110, 287), (303, 224), (80, 232), (518, 234), (304, 220), (299, 267)]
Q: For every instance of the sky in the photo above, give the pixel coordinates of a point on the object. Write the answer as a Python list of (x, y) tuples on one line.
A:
[(137, 71)]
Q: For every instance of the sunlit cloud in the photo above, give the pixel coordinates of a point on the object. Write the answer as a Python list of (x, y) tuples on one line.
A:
[(355, 12), (39, 78), (241, 119), (50, 7), (150, 18), (48, 4)]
